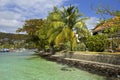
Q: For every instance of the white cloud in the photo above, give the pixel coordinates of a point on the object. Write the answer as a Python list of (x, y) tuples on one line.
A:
[(2, 30), (92, 22), (3, 2), (10, 15), (13, 12), (10, 23)]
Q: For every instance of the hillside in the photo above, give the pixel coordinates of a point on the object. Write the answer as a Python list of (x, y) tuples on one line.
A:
[(11, 36)]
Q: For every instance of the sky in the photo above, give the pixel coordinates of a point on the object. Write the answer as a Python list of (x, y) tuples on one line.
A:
[(13, 13)]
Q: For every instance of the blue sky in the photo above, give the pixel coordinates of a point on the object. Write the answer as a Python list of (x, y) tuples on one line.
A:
[(87, 6), (14, 12)]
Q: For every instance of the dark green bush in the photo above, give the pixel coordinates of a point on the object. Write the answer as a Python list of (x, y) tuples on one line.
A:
[(97, 43)]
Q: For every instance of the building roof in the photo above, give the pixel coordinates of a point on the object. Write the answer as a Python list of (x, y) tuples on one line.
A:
[(107, 24)]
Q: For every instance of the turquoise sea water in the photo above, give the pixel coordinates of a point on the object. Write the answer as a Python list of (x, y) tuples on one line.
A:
[(25, 66)]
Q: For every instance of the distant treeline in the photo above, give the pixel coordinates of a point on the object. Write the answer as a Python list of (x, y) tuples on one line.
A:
[(12, 36)]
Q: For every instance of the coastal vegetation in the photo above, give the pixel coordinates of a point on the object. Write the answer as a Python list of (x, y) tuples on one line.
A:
[(58, 31), (63, 37), (11, 41), (65, 29), (97, 43)]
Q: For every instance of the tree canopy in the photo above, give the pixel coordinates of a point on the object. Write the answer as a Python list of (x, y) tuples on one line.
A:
[(60, 26)]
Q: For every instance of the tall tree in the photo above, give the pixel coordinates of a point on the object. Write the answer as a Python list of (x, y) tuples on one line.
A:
[(73, 22), (30, 27), (55, 26), (107, 10), (42, 35)]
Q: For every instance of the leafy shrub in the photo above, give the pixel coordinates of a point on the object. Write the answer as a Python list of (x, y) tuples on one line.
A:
[(97, 43), (80, 47)]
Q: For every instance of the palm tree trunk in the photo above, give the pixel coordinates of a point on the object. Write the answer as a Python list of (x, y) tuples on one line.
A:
[(52, 49), (71, 49), (44, 50)]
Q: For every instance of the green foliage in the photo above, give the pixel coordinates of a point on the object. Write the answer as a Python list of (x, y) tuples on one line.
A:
[(107, 10), (11, 36), (80, 47), (113, 33), (30, 27), (42, 35), (55, 25), (97, 43), (58, 28), (113, 30), (9, 40), (71, 18)]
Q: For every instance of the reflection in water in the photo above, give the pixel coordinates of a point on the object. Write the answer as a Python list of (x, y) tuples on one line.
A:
[(32, 58), (67, 68)]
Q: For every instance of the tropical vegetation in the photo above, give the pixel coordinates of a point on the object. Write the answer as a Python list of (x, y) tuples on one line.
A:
[(97, 43), (9, 40), (65, 29), (58, 30)]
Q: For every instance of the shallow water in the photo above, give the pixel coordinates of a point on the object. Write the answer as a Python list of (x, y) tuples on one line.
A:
[(25, 66)]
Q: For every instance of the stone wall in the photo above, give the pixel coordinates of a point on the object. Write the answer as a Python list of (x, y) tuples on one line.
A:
[(103, 64), (91, 66), (104, 58)]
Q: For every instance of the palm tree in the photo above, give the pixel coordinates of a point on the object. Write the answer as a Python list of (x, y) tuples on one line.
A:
[(72, 23), (60, 27), (55, 27)]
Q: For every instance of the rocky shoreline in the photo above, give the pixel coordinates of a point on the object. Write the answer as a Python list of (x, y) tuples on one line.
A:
[(105, 69)]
